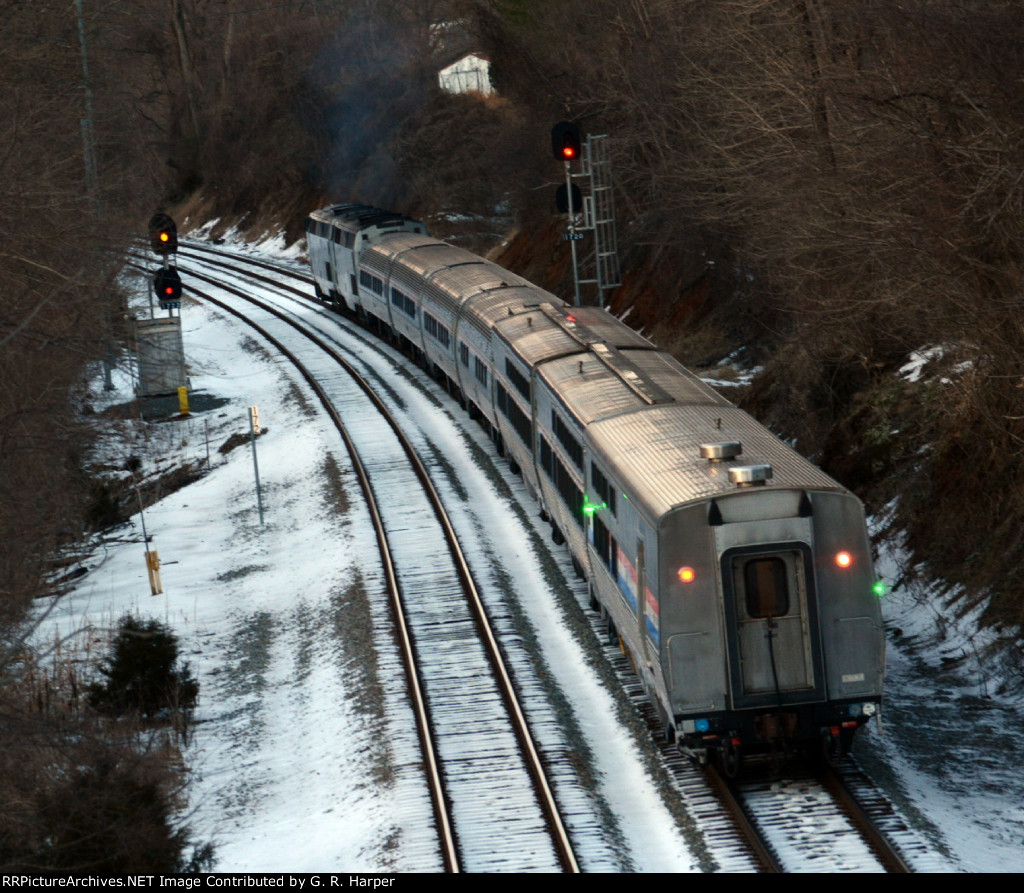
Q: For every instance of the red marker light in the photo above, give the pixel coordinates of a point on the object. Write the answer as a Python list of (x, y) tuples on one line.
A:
[(686, 575), (844, 559)]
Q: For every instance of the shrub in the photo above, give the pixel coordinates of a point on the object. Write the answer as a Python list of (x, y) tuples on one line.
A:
[(142, 673), (116, 815)]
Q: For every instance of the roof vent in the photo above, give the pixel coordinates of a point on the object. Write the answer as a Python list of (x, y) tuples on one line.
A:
[(717, 452), (750, 475)]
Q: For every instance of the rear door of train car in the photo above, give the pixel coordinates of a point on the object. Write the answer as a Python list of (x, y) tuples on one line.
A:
[(770, 604)]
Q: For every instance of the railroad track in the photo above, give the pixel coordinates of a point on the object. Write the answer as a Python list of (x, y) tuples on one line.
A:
[(835, 819), (750, 827), (810, 822), (494, 807)]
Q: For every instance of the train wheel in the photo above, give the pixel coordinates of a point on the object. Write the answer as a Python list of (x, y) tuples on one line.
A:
[(729, 757), (611, 633), (832, 750), (667, 729)]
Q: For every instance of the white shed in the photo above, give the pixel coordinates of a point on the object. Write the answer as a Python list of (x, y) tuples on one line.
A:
[(469, 74)]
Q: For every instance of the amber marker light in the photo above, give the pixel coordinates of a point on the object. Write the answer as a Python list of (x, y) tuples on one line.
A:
[(844, 559), (686, 575)]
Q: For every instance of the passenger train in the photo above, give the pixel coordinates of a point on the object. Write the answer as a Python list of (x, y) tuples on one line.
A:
[(736, 574)]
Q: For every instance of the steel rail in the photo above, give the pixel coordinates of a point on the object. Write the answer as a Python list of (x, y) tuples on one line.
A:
[(880, 845), (532, 759), (435, 782), (763, 853)]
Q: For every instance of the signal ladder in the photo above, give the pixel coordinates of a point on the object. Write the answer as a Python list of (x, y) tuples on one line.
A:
[(599, 269)]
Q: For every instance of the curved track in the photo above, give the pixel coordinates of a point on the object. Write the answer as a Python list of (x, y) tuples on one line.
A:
[(745, 825), (493, 804)]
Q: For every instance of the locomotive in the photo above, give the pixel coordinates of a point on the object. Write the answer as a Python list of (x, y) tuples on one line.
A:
[(736, 574)]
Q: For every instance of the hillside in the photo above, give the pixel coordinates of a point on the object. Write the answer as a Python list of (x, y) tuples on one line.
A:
[(829, 192), (834, 186)]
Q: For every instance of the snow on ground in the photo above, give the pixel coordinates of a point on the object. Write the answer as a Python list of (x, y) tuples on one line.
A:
[(952, 744), (293, 758), (284, 754), (288, 769)]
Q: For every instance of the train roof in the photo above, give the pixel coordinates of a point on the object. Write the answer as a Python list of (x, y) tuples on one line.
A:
[(353, 212), (553, 329), (655, 451), (606, 381), (421, 253), (354, 216), (452, 277)]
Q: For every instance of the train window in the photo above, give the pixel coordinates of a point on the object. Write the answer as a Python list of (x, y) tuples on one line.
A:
[(480, 370), (374, 283), (567, 489), (521, 423), (436, 330), (336, 237), (572, 496), (601, 486), (766, 587), (464, 353), (565, 436), (547, 458), (409, 306), (403, 302), (521, 382), (604, 544)]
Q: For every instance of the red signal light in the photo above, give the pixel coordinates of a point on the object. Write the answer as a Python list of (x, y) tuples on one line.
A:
[(566, 141), (844, 559), (167, 285), (164, 237)]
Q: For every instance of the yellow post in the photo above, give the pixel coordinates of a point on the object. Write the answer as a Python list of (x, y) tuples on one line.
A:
[(153, 567), (183, 400)]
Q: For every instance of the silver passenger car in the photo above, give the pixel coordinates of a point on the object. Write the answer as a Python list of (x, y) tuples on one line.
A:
[(736, 574)]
